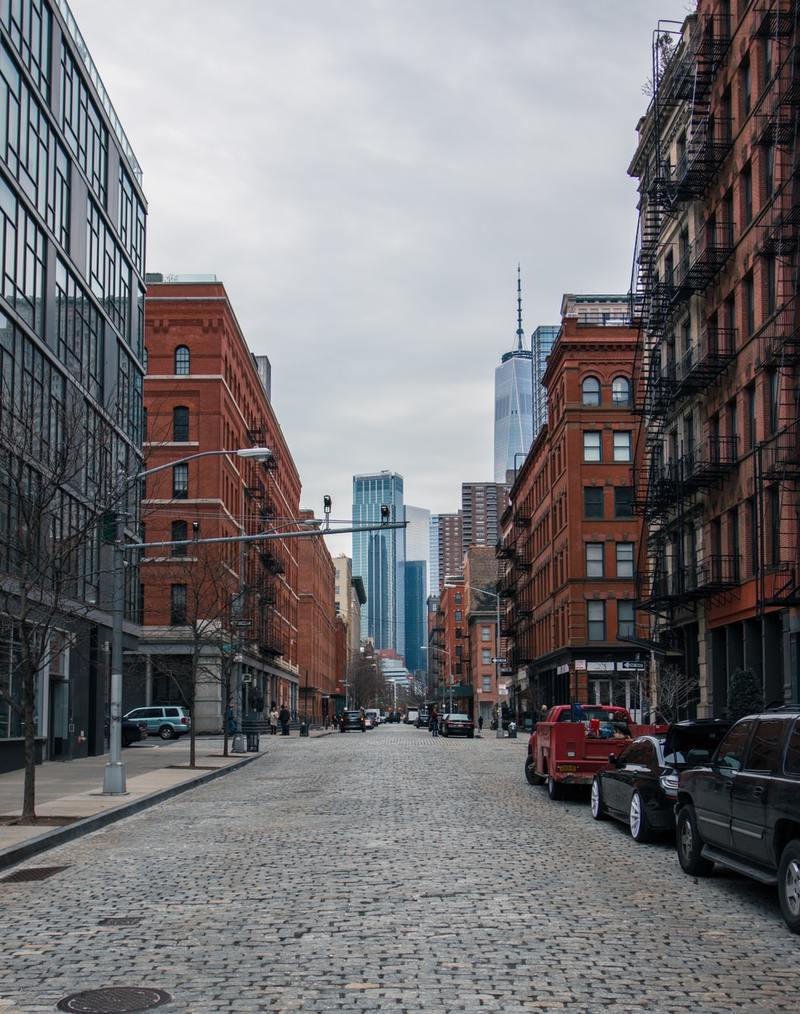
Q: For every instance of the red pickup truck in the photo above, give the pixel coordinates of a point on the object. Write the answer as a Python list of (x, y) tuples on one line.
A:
[(563, 751)]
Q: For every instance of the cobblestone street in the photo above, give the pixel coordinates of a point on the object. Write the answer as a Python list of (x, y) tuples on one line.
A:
[(392, 872)]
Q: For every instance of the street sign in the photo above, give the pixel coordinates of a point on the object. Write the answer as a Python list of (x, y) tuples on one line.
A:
[(242, 623), (238, 658), (499, 661)]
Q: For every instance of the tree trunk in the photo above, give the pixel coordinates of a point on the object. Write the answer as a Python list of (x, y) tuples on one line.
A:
[(29, 790)]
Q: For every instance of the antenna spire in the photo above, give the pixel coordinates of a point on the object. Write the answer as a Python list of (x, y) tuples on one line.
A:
[(520, 332)]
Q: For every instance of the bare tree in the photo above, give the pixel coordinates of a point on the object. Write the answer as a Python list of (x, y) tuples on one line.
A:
[(55, 487), (673, 693)]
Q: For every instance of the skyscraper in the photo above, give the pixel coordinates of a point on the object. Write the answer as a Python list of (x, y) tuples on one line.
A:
[(416, 582), (482, 503), (513, 403), (433, 556), (379, 558), (449, 553), (542, 341)]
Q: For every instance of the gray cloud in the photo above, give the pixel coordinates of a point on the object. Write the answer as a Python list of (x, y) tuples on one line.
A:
[(364, 175)]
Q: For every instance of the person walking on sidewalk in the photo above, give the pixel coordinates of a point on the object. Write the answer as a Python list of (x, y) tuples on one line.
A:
[(480, 724), (273, 720), (284, 717), (434, 723)]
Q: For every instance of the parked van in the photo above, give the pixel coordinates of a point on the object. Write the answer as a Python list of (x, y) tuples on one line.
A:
[(412, 714)]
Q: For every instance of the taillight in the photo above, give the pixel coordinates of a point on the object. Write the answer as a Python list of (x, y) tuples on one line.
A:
[(184, 721)]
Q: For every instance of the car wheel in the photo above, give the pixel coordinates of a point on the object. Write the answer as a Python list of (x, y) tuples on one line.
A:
[(530, 772), (167, 732), (789, 885), (470, 735), (637, 819), (690, 844), (554, 790), (598, 810)]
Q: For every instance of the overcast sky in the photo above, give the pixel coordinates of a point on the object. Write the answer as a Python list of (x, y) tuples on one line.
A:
[(364, 175)]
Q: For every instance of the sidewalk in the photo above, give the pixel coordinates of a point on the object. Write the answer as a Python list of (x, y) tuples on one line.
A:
[(154, 771)]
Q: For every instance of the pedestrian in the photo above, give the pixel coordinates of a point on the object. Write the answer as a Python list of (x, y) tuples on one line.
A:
[(284, 717), (480, 723), (273, 720), (434, 721)]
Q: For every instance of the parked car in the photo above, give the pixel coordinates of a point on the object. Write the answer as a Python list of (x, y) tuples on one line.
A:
[(168, 721), (453, 724), (742, 809), (639, 785), (373, 716), (352, 721), (423, 718), (132, 731)]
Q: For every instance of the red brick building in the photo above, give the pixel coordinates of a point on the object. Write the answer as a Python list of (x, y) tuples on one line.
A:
[(569, 536), (448, 650), (317, 622), (480, 588), (717, 260), (205, 391)]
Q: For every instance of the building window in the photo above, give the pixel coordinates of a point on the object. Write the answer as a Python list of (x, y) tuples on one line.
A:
[(769, 171), (177, 604), (486, 633), (180, 482), (594, 559), (458, 598), (22, 255), (180, 424), (748, 290), (83, 125), (593, 501), (182, 361), (487, 684), (770, 285), (774, 501), (459, 651), (179, 529), (750, 402), (752, 525), (591, 446), (624, 559), (486, 656), (625, 621), (733, 541), (590, 392), (746, 180), (621, 391), (747, 90), (773, 394), (596, 618), (459, 616), (623, 501), (622, 446)]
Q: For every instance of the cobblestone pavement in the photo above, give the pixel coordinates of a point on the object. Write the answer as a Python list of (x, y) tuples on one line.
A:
[(392, 872)]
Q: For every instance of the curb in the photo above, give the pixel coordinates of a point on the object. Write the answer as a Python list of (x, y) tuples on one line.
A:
[(63, 835)]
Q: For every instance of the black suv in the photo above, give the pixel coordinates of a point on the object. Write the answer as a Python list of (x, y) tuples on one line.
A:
[(742, 810)]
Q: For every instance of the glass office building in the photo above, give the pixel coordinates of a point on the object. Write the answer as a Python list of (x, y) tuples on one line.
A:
[(379, 559), (513, 412), (416, 578), (71, 334), (542, 341)]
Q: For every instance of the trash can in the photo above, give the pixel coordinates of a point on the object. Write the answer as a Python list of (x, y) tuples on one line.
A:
[(304, 728), (512, 730), (238, 743), (252, 742)]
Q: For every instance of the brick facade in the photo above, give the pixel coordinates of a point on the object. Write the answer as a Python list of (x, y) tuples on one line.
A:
[(317, 623)]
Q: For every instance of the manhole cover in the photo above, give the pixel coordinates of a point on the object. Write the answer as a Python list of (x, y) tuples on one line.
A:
[(33, 873), (122, 920), (115, 1000)]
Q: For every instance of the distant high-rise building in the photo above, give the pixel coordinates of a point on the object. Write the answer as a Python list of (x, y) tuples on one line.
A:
[(481, 505), (379, 558), (416, 580), (449, 548), (513, 403), (433, 556), (542, 341)]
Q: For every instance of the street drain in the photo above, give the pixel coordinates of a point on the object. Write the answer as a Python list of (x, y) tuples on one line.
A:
[(115, 1000), (121, 920), (33, 873)]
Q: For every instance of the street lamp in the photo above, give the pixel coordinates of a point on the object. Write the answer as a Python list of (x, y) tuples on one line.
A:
[(496, 597), (114, 772), (444, 651)]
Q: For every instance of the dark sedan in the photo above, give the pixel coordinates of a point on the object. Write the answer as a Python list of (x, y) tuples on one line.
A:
[(640, 786), (352, 721), (457, 725)]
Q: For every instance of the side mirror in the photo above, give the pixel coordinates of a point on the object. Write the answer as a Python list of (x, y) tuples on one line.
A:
[(613, 760)]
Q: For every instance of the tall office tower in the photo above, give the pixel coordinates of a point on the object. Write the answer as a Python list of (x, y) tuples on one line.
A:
[(433, 556), (542, 341), (72, 242), (379, 559), (417, 556), (449, 549), (513, 403), (482, 503)]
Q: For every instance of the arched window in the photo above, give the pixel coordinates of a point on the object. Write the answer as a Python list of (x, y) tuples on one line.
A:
[(180, 424), (144, 358), (182, 361), (179, 533), (590, 391), (621, 391)]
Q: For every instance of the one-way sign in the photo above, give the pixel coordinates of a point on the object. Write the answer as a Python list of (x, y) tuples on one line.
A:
[(499, 661)]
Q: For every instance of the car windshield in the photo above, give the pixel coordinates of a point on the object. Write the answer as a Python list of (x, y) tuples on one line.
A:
[(699, 737), (458, 718)]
